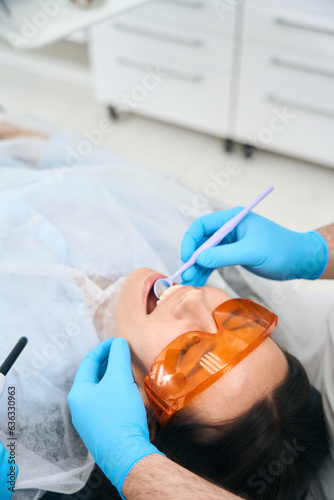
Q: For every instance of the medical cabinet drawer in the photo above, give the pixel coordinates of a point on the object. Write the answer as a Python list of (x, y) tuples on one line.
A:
[(302, 32), (191, 98), (196, 15), (169, 45)]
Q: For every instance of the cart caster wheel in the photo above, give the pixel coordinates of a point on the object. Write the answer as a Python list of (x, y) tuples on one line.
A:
[(248, 150), (113, 113), (229, 145)]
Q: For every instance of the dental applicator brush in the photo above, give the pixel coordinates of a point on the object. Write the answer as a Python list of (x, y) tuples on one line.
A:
[(162, 284), (10, 360)]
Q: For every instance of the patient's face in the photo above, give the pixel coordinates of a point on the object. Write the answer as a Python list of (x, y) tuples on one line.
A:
[(149, 328)]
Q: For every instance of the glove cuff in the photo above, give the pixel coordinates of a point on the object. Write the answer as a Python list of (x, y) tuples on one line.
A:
[(128, 461), (317, 256)]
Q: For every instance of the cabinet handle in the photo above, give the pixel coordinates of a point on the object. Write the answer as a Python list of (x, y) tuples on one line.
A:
[(276, 61), (171, 72), (303, 26), (186, 3), (168, 37), (299, 105)]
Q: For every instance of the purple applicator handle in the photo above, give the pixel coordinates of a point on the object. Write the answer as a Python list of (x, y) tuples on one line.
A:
[(215, 238)]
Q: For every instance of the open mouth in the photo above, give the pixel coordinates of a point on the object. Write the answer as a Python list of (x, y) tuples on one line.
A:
[(150, 300), (151, 303)]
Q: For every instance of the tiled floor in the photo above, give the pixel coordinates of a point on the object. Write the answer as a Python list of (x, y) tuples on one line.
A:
[(303, 198)]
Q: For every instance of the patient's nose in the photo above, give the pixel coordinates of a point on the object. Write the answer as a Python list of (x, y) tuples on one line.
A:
[(194, 310)]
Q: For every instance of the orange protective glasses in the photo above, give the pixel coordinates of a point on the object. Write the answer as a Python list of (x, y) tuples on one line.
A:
[(195, 360)]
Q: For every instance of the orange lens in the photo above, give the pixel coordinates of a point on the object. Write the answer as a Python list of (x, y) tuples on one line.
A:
[(195, 360)]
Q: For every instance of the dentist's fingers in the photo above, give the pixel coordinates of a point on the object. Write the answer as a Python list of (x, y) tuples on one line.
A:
[(190, 274), (89, 369), (198, 276), (2, 452), (225, 255), (119, 364), (194, 244), (191, 239), (202, 228)]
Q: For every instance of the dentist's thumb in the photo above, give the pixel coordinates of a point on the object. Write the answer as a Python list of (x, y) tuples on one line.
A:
[(119, 362)]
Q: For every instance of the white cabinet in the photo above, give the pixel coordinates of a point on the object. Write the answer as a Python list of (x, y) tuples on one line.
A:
[(285, 92), (199, 16), (261, 74), (186, 43)]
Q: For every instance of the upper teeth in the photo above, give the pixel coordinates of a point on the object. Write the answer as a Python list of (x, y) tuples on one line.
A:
[(167, 292)]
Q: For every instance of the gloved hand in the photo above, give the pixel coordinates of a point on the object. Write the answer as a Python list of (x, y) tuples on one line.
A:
[(256, 243), (8, 474), (108, 411)]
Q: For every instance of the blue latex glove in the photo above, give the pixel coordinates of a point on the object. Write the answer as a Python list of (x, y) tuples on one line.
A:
[(6, 467), (258, 244), (108, 411)]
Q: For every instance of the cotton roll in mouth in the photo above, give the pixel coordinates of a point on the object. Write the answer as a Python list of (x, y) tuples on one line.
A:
[(167, 292)]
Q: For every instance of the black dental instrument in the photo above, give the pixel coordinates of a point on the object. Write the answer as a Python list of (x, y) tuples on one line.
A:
[(10, 360), (13, 355)]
